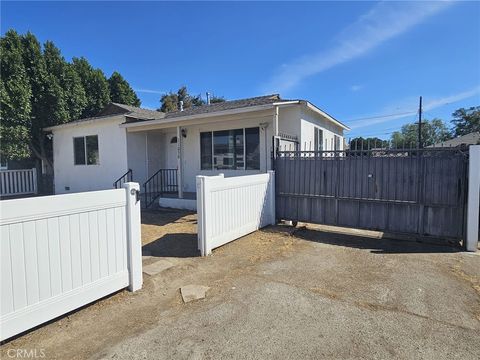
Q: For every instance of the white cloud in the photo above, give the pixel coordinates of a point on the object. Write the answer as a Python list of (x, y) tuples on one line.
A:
[(355, 88), (149, 91), (382, 23), (411, 104)]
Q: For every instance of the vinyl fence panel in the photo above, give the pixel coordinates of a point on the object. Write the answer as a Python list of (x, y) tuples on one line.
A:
[(61, 252), (229, 208)]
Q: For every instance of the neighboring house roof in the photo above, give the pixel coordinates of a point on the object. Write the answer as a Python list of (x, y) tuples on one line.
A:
[(468, 139), (136, 115), (135, 112)]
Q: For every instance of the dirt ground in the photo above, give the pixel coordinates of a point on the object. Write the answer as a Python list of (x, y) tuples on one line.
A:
[(279, 293)]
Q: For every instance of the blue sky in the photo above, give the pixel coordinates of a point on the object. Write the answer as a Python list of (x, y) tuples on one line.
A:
[(359, 61)]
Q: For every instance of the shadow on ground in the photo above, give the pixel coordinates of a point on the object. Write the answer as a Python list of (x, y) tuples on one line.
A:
[(173, 245), (163, 216), (375, 245)]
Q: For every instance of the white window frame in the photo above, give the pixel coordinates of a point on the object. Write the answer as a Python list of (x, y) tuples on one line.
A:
[(317, 131), (85, 150), (244, 168)]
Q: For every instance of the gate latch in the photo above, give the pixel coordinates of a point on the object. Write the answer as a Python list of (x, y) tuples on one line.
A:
[(136, 193)]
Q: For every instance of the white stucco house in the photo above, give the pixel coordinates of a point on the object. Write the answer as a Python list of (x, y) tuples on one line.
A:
[(165, 151)]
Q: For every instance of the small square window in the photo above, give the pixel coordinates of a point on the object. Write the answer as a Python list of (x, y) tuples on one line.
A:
[(86, 150)]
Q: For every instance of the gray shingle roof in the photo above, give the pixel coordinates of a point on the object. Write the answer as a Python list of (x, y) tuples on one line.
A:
[(226, 105), (136, 112), (215, 107)]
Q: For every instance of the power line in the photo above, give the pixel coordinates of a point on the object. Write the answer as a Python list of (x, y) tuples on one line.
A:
[(383, 116), (413, 112)]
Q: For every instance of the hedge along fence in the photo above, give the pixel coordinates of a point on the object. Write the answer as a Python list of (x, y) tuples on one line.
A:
[(229, 208)]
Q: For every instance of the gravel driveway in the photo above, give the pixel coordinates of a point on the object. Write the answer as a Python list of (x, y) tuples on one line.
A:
[(279, 293)]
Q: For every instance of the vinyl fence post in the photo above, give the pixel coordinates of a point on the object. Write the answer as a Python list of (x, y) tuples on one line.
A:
[(473, 201), (134, 236), (35, 181), (271, 194), (201, 215)]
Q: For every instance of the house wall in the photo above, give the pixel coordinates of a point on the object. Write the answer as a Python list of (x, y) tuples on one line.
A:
[(146, 153), (191, 146), (136, 155), (150, 150), (112, 148), (289, 124), (310, 120)]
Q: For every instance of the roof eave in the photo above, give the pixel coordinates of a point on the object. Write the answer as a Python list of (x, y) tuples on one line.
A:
[(80, 122), (328, 116), (196, 116)]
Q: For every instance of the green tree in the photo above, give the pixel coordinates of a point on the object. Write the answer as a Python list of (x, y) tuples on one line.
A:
[(39, 88), (433, 131), (369, 143), (466, 121), (169, 102), (95, 85), (55, 110), (121, 91), (217, 99), (15, 99)]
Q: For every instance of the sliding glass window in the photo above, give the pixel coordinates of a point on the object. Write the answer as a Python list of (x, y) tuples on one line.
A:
[(228, 149)]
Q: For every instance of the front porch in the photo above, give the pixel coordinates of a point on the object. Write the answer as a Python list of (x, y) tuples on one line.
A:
[(166, 159)]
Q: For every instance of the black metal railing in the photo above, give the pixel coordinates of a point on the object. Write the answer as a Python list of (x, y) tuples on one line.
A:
[(163, 181), (127, 177)]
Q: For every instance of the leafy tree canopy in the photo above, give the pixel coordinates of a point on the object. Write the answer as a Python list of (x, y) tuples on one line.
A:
[(121, 92), (466, 121), (433, 131), (95, 84), (170, 101), (39, 88), (369, 143)]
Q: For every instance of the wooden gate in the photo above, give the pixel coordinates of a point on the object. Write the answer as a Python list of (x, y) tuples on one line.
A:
[(420, 192)]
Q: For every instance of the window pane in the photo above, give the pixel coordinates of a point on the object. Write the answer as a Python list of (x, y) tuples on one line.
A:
[(206, 150), (252, 151), (92, 150), (337, 142), (228, 149), (318, 139), (79, 150)]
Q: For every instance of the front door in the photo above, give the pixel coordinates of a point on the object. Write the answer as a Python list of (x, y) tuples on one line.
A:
[(171, 151)]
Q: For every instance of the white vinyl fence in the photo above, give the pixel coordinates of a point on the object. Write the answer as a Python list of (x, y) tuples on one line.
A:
[(18, 182), (473, 203), (61, 252), (229, 208)]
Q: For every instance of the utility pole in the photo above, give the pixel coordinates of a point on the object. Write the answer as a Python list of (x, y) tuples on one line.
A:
[(420, 145)]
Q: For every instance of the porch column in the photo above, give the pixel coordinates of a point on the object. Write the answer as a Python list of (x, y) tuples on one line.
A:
[(179, 162), (275, 137)]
